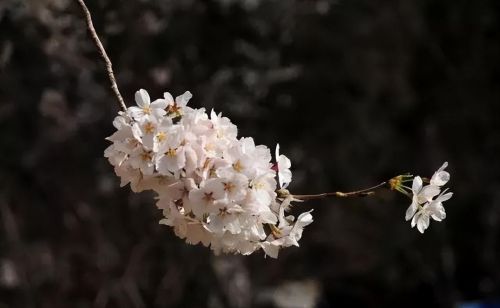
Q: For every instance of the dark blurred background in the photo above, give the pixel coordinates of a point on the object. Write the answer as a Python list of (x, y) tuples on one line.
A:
[(355, 92)]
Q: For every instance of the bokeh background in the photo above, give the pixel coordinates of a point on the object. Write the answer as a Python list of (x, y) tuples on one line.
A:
[(355, 92)]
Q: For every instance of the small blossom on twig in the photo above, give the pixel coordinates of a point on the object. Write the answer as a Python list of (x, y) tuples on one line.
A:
[(425, 204)]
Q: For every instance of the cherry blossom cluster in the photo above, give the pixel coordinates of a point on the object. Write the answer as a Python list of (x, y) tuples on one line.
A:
[(213, 187), (427, 200)]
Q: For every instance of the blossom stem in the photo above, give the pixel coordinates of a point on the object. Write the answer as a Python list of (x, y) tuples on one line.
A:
[(339, 194), (104, 55)]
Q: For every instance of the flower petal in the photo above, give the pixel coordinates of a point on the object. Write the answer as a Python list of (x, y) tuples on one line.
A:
[(142, 98), (423, 223), (440, 177), (183, 99), (416, 185), (444, 197), (427, 193), (410, 212), (159, 104), (168, 98)]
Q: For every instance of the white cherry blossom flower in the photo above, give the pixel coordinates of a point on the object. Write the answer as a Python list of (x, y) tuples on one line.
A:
[(286, 236), (143, 159), (421, 195), (263, 189), (145, 131), (208, 199), (175, 107), (225, 220), (146, 109), (433, 209), (235, 187), (425, 205), (223, 128), (171, 158)]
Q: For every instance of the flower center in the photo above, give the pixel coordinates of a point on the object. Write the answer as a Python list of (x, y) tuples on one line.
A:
[(174, 109), (171, 153), (237, 166), (208, 197), (149, 128), (146, 156), (258, 185), (161, 136), (229, 187)]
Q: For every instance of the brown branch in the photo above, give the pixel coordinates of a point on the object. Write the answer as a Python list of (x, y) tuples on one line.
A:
[(104, 55), (357, 193)]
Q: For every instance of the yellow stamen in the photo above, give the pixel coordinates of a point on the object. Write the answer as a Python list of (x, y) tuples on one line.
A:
[(161, 136), (258, 185), (147, 156), (275, 231), (171, 153), (237, 166), (212, 172), (174, 110), (396, 182), (149, 128)]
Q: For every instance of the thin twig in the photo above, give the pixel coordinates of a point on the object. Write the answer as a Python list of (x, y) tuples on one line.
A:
[(104, 55), (357, 193)]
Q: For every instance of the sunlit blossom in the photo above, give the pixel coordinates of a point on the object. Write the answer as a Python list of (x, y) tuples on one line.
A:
[(212, 187)]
